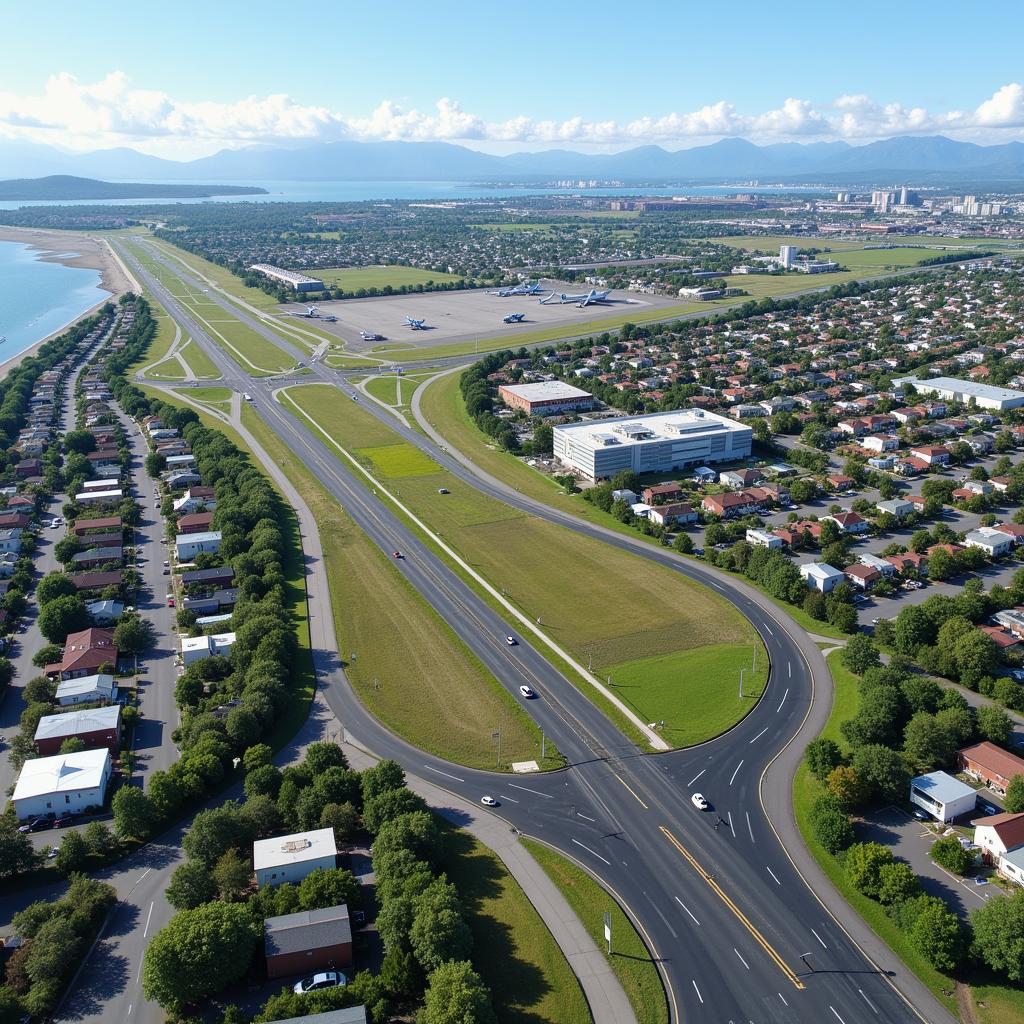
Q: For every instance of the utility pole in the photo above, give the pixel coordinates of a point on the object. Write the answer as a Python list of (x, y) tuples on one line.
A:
[(742, 670), (497, 735), (543, 748)]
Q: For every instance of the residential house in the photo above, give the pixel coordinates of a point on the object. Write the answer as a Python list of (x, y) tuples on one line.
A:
[(674, 513), (94, 689), (84, 653), (95, 727), (898, 507), (821, 576), (993, 542), (990, 764), (62, 784), (931, 454), (737, 479), (761, 539), (731, 503), (198, 648), (662, 493), (861, 576), (850, 522), (192, 544)]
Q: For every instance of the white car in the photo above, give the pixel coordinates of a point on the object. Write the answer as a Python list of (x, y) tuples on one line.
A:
[(488, 801), (527, 691), (318, 982), (699, 802), (511, 641)]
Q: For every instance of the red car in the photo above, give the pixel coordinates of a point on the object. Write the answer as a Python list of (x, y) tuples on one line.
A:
[(396, 554), (170, 601)]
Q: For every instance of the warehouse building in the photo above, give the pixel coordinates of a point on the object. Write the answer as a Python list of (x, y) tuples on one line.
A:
[(65, 784), (299, 282), (95, 727), (657, 443), (942, 796), (545, 397), (307, 942), (950, 389)]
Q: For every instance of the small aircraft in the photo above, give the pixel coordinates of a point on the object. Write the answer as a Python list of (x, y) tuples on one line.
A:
[(526, 288), (371, 336), (581, 300), (416, 325), (312, 313), (513, 318)]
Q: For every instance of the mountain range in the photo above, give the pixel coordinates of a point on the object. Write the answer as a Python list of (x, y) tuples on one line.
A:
[(915, 160)]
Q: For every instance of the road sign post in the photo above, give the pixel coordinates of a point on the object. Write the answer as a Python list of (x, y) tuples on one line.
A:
[(608, 931)]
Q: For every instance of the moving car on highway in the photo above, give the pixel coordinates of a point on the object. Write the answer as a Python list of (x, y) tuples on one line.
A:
[(699, 802)]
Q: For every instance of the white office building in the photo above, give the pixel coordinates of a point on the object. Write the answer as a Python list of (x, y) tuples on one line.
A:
[(291, 858), (950, 389), (62, 784), (657, 443), (198, 648), (942, 796), (787, 254), (821, 576)]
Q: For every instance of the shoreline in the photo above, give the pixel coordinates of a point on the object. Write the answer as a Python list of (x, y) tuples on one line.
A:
[(72, 249)]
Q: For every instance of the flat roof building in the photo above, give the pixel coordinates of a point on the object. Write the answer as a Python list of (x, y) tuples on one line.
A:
[(300, 282), (545, 397), (650, 444), (197, 648), (942, 796), (95, 727), (290, 858), (986, 396), (64, 784), (188, 545)]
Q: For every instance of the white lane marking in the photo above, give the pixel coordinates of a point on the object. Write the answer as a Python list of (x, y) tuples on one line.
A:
[(769, 628), (790, 670), (148, 918), (838, 1018), (772, 873), (759, 735), (819, 938), (868, 1001), (535, 792), (699, 996), (736, 772), (722, 589), (731, 829), (783, 701), (589, 850), (750, 827), (697, 776), (740, 955), (512, 799), (687, 909), (783, 998), (445, 774), (585, 817)]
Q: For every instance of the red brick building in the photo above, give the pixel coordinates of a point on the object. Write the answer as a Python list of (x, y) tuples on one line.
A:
[(545, 397), (95, 727), (307, 942), (990, 764)]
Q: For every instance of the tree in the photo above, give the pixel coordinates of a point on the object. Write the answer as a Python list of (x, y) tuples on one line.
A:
[(390, 804), (73, 853), (999, 935), (257, 756), (683, 544), (1014, 801), (243, 728), (832, 828), (927, 743), (937, 934), (323, 755), (913, 629), (845, 785), (216, 831), (883, 770), (12, 1009), (821, 756), (897, 883), (63, 615), (382, 776), (191, 885), (99, 839), (16, 851), (134, 813), (263, 781), (417, 832), (941, 565), (343, 818), (47, 655), (328, 887), (39, 690), (949, 854), (231, 875), (994, 724), (54, 585), (843, 616), (864, 863), (456, 994), (133, 634), (860, 654), (199, 952)]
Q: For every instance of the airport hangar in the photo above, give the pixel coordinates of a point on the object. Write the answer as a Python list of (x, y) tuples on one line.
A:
[(472, 314), (658, 443)]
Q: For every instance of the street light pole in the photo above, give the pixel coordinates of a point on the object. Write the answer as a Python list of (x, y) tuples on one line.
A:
[(742, 670)]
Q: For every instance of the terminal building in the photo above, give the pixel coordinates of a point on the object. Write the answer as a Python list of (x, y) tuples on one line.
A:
[(950, 389), (545, 397), (657, 443), (299, 282)]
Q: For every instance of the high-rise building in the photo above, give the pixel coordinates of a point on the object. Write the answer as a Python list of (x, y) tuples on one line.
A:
[(787, 253), (904, 196)]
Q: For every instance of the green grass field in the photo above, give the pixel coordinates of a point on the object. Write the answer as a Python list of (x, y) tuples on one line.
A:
[(577, 587), (350, 279), (391, 390), (630, 959), (199, 362), (529, 977), (398, 460), (408, 663), (218, 399)]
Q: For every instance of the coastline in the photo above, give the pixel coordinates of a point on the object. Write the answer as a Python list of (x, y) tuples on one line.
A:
[(72, 249)]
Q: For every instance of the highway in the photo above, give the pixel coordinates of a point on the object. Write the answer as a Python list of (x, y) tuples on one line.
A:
[(737, 932)]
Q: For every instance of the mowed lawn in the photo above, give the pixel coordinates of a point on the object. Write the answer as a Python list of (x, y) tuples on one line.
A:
[(397, 460), (700, 689), (199, 362), (600, 603), (409, 669), (350, 279), (529, 978)]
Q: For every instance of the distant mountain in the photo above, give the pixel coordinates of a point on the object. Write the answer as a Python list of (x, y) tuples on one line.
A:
[(60, 187), (908, 158)]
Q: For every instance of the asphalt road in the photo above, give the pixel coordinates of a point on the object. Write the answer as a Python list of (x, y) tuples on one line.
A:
[(737, 933)]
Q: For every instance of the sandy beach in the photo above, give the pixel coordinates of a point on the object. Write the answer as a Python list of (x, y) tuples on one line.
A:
[(85, 251)]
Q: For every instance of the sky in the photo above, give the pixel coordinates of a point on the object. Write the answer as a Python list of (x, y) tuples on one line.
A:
[(186, 79)]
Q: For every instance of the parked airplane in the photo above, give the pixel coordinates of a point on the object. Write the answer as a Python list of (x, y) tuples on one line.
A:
[(526, 288), (313, 314), (371, 336), (513, 318), (416, 325), (580, 300)]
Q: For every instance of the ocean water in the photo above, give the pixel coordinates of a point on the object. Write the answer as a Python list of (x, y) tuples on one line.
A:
[(38, 298)]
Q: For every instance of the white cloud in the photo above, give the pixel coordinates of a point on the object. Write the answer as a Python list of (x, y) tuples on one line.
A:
[(112, 111)]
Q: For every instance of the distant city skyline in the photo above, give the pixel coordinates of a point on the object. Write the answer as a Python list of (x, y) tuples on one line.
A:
[(187, 81)]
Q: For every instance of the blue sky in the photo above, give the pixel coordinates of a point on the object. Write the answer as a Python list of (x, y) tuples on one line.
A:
[(521, 75)]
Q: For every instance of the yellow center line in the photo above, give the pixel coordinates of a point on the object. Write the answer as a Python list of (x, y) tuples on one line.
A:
[(744, 920), (631, 790)]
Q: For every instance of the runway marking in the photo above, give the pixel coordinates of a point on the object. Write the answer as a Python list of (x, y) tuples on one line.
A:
[(750, 827), (687, 909), (627, 785), (783, 701), (769, 628), (148, 918), (736, 772), (586, 817), (731, 829), (445, 774), (526, 789), (697, 776), (836, 1012), (772, 873), (783, 998), (740, 955), (868, 1001), (819, 938), (740, 916), (589, 850), (759, 735), (699, 996)]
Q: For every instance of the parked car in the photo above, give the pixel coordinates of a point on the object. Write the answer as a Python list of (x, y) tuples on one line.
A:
[(318, 982), (35, 825), (170, 600), (699, 802), (63, 821)]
